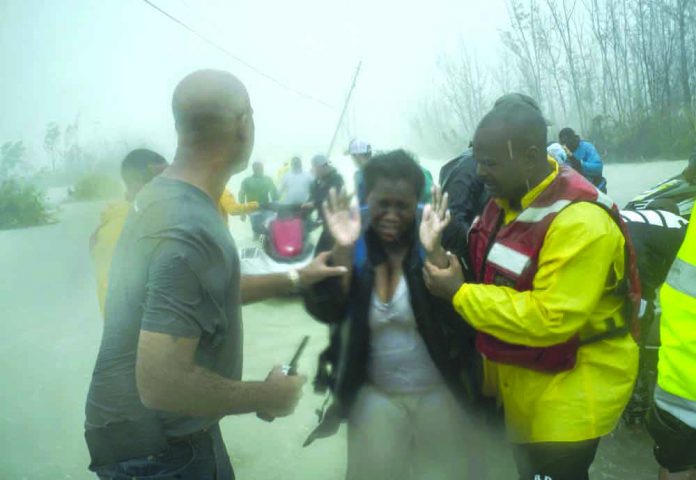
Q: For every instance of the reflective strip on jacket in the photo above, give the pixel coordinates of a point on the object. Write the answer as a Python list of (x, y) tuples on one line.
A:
[(677, 363), (579, 266)]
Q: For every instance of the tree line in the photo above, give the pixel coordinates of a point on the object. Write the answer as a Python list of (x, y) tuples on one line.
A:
[(622, 72)]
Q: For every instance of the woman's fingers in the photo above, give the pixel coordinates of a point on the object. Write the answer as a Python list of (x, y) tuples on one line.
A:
[(443, 205), (446, 220)]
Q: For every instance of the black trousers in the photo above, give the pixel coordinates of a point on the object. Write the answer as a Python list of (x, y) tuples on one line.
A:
[(555, 460)]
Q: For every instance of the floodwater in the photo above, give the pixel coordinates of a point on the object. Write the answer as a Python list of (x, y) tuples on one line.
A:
[(51, 332)]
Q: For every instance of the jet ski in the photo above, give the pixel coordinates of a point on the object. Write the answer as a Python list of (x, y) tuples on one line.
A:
[(283, 242), (676, 189)]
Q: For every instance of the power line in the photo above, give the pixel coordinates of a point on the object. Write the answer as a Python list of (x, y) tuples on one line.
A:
[(238, 59)]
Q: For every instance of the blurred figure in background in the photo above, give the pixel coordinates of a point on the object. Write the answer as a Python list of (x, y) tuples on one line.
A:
[(296, 184), (558, 153), (258, 188), (229, 206), (467, 197), (361, 153), (583, 157), (138, 168), (326, 177)]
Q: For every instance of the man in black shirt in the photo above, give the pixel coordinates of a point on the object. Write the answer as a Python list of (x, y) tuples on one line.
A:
[(467, 197)]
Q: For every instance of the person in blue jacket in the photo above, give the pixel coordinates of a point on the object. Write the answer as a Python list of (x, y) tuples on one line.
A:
[(583, 156)]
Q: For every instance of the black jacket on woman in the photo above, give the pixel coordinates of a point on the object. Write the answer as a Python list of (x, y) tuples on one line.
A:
[(343, 365)]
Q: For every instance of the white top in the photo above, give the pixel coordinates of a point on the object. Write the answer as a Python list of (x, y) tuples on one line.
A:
[(295, 187), (399, 360)]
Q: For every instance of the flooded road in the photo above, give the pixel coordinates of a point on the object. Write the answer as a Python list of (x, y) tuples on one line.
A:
[(52, 329)]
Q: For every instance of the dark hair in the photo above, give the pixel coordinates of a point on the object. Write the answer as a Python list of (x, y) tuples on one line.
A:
[(566, 132), (394, 165), (135, 165)]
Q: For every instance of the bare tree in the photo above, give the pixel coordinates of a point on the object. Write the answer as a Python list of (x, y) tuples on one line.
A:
[(51, 139)]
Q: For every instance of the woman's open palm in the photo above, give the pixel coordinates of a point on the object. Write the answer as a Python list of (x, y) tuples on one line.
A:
[(342, 218), (436, 217)]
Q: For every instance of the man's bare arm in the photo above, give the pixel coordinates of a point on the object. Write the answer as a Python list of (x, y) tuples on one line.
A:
[(255, 288), (168, 379)]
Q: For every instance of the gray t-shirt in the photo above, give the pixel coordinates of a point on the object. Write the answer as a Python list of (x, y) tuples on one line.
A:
[(295, 187), (175, 270)]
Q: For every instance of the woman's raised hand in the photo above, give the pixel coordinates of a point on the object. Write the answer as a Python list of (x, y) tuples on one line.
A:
[(342, 218), (436, 217)]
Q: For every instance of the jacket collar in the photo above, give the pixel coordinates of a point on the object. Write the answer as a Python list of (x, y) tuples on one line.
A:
[(512, 213)]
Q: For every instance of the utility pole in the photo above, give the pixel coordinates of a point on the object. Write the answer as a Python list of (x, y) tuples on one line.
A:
[(345, 108)]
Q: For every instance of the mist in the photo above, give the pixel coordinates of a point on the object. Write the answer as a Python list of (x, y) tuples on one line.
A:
[(101, 76)]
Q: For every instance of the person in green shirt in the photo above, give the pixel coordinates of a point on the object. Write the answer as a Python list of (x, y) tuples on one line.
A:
[(258, 188)]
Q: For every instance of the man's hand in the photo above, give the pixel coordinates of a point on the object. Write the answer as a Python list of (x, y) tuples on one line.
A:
[(436, 217), (342, 219), (284, 391), (444, 282), (318, 270)]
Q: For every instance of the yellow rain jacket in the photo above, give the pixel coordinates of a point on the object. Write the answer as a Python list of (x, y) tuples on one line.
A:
[(677, 363), (229, 206), (580, 264), (103, 243)]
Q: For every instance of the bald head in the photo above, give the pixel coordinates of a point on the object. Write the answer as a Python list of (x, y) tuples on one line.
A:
[(212, 111)]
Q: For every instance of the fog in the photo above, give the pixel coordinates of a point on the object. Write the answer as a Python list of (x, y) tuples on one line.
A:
[(52, 333), (115, 63), (110, 66)]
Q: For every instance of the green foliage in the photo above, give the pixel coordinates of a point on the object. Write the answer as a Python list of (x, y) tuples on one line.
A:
[(22, 205), (659, 136), (97, 187), (11, 158)]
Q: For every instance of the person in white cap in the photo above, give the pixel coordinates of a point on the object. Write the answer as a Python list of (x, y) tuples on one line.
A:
[(361, 153)]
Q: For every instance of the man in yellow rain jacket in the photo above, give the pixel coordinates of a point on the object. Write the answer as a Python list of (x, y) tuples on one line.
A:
[(138, 168), (672, 420), (549, 255)]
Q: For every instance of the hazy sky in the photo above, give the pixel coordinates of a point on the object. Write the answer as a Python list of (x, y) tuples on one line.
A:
[(115, 63)]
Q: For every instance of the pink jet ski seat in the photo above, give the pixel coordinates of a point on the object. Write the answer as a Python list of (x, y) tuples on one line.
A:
[(286, 236)]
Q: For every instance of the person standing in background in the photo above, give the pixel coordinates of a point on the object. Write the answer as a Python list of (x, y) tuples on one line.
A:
[(296, 184), (258, 188), (361, 153), (138, 168), (583, 157)]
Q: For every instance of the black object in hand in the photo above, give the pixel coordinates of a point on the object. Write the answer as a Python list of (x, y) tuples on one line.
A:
[(289, 369)]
